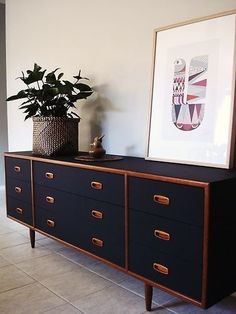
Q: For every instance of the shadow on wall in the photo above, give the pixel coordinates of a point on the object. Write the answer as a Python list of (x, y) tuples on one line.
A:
[(93, 118)]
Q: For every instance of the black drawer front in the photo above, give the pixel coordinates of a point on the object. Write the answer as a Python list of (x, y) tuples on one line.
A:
[(170, 200), (58, 202), (171, 237), (67, 227), (105, 217), (105, 246), (19, 210), (172, 273), (94, 184), (17, 168), (18, 189)]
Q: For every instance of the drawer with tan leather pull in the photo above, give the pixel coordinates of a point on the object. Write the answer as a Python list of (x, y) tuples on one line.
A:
[(104, 217), (173, 273), (179, 202), (20, 210), (18, 189), (66, 226), (55, 201), (89, 183), (110, 246), (17, 168), (160, 234)]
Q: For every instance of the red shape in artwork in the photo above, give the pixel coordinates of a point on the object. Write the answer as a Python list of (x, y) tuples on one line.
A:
[(190, 97), (200, 83)]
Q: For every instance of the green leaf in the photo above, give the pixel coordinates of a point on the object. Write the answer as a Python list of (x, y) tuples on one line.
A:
[(60, 76), (33, 77), (81, 95), (83, 87), (79, 77), (37, 68), (51, 77), (20, 95)]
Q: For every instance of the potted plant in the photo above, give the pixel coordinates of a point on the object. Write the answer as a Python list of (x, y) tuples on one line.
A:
[(48, 100)]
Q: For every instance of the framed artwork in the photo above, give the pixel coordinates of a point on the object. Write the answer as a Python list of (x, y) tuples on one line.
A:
[(193, 85)]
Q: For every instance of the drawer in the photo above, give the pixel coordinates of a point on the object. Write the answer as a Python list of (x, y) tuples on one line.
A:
[(175, 274), (59, 214), (178, 202), (17, 168), (55, 201), (105, 245), (67, 227), (105, 217), (170, 237), (19, 210), (20, 190), (94, 184)]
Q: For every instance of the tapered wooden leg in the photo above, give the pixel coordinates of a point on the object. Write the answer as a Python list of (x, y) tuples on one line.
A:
[(148, 297), (32, 237)]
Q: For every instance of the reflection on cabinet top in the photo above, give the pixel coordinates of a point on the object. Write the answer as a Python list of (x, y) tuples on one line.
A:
[(178, 173)]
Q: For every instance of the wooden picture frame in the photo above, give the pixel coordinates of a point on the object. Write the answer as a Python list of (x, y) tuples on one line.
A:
[(193, 86)]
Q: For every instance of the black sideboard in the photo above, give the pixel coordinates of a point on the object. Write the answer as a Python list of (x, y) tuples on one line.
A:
[(170, 225)]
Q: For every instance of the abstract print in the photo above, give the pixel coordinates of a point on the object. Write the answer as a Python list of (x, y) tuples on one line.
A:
[(188, 109)]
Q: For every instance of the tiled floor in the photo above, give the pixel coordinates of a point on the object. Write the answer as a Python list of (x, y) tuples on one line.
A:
[(54, 279)]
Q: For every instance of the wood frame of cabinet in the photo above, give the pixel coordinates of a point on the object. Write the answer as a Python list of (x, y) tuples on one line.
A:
[(207, 297)]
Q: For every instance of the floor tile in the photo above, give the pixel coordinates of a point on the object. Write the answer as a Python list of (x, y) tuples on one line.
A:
[(4, 229), (50, 243), (41, 268), (115, 300), (11, 239), (31, 299), (76, 284), (64, 309), (108, 272), (93, 264), (11, 277), (159, 310), (3, 261), (23, 252), (77, 256)]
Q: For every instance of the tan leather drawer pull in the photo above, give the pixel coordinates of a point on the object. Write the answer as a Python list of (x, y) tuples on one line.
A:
[(160, 199), (50, 223), (49, 175), (96, 185), (162, 235), (97, 242), (50, 199), (160, 268), (18, 189), (17, 169), (97, 214), (19, 210)]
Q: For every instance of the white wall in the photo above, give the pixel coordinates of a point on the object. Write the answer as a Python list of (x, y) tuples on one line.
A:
[(112, 42), (3, 107)]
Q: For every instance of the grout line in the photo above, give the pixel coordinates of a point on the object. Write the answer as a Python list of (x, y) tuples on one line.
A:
[(23, 286), (60, 306)]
